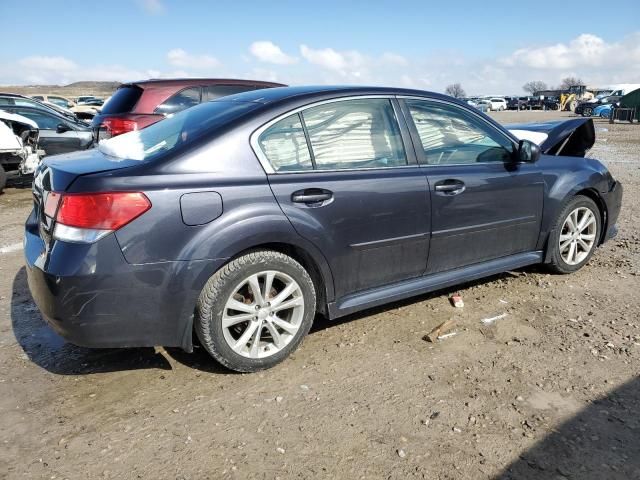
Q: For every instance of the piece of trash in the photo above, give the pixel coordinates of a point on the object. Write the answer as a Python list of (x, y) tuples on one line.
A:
[(490, 320), (447, 335), (434, 334), (456, 300), (503, 301)]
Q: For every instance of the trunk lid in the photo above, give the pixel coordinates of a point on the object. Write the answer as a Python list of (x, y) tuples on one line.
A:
[(58, 172)]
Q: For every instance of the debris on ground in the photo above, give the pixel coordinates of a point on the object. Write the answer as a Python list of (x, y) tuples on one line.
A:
[(490, 320), (447, 335), (438, 332), (456, 300)]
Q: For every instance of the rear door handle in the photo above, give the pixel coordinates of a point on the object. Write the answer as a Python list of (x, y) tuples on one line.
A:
[(450, 187), (312, 196)]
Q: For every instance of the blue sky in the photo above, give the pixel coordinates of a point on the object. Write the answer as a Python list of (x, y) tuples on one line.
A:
[(489, 47)]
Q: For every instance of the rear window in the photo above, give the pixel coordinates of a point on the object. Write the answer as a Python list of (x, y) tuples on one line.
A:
[(123, 100), (176, 131)]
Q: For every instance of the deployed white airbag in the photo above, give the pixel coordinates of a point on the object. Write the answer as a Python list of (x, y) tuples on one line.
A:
[(536, 137)]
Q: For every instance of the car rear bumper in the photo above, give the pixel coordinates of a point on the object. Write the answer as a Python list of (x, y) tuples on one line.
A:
[(92, 297), (613, 201)]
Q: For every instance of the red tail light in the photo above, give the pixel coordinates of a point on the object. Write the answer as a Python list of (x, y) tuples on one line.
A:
[(117, 126), (101, 211)]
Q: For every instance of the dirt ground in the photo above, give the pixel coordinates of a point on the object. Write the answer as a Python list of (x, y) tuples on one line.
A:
[(551, 390)]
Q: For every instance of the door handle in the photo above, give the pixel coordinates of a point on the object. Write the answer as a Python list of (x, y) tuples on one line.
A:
[(311, 196), (450, 187)]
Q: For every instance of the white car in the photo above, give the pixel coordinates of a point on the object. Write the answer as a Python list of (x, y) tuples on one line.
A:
[(18, 145), (497, 104)]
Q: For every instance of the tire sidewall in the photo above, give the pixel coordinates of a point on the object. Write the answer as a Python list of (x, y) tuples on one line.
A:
[(219, 347), (557, 260)]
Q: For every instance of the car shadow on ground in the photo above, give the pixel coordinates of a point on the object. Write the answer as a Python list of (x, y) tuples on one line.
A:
[(48, 350), (601, 442)]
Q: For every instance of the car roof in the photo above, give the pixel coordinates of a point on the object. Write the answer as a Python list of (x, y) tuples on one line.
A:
[(2, 94), (167, 82), (283, 94)]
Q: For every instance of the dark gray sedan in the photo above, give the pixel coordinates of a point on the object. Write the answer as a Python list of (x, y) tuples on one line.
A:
[(242, 218)]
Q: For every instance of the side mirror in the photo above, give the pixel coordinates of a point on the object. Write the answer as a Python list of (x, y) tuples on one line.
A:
[(69, 105), (61, 128), (528, 152)]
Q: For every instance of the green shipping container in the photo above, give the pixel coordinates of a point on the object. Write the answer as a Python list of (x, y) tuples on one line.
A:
[(632, 100)]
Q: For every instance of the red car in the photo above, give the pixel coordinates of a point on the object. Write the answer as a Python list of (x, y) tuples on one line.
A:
[(139, 104)]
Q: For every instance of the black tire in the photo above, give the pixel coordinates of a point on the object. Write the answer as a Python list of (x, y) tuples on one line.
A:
[(587, 112), (218, 289), (3, 178), (556, 262)]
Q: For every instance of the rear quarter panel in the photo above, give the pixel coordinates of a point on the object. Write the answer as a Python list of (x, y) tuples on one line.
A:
[(250, 214)]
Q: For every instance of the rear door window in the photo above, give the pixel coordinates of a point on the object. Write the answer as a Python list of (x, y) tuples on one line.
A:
[(182, 100), (123, 100), (212, 92), (351, 134)]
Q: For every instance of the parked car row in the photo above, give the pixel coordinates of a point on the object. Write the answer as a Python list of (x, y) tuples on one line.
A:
[(133, 106), (85, 107)]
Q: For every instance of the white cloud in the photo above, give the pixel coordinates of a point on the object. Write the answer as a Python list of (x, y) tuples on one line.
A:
[(180, 58), (393, 59), (48, 63), (326, 58), (585, 50), (597, 61), (269, 52), (152, 7)]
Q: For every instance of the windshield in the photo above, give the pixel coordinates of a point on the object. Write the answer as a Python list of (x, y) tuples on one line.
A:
[(177, 130)]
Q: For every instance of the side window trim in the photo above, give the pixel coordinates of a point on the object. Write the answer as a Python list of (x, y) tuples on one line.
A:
[(308, 140), (415, 137), (409, 148)]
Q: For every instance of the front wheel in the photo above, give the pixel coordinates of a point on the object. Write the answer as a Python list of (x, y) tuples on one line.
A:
[(255, 311), (575, 236)]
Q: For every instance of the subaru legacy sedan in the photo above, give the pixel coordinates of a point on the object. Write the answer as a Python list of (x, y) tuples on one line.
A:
[(240, 219)]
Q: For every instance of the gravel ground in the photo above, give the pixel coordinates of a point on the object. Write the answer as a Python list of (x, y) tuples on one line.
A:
[(551, 390)]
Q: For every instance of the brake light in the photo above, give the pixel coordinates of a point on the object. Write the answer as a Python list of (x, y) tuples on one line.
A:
[(88, 217), (117, 126)]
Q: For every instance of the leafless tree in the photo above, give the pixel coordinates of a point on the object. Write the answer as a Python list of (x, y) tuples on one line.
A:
[(534, 86), (455, 90), (570, 81)]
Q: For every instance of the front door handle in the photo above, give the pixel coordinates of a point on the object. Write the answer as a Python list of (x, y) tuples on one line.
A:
[(450, 187), (312, 196)]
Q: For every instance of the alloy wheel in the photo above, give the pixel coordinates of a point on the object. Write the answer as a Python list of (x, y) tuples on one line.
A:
[(578, 235), (263, 314)]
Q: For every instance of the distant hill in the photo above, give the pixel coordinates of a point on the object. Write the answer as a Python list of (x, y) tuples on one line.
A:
[(99, 89)]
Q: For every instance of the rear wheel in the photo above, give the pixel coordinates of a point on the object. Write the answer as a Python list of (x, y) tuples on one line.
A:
[(575, 236), (255, 311), (587, 112)]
